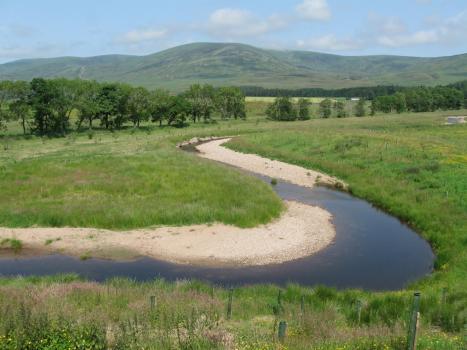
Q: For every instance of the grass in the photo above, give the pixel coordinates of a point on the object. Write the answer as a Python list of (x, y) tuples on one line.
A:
[(294, 99), (12, 243), (192, 315), (411, 165), (123, 181), (50, 241)]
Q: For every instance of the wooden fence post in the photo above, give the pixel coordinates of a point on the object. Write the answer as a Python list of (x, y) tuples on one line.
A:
[(359, 311), (229, 305), (152, 301), (414, 320), (282, 331)]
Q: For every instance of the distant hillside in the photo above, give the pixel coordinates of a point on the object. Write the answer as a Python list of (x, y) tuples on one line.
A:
[(238, 64)]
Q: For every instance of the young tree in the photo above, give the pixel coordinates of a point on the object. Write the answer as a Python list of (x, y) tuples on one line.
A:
[(201, 99), (5, 98), (19, 105), (65, 101), (42, 100), (360, 110), (179, 109), (282, 109), (138, 105), (88, 104), (400, 103), (112, 103), (373, 106), (303, 106), (325, 108), (339, 106), (230, 102), (159, 105)]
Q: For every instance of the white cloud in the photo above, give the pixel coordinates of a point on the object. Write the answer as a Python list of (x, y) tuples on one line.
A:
[(142, 35), (314, 10), (417, 38), (234, 23), (452, 30), (329, 43)]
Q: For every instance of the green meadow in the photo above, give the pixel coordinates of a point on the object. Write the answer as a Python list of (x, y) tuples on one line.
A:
[(411, 165)]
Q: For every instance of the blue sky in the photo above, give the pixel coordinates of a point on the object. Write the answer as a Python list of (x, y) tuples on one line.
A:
[(49, 28)]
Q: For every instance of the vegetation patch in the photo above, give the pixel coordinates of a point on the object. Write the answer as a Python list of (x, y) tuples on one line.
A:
[(12, 243)]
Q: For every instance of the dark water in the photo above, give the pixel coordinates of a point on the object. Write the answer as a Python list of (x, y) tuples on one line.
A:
[(372, 250)]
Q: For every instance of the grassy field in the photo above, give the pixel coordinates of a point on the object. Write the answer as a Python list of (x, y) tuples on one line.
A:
[(294, 99), (411, 165), (121, 181), (256, 106)]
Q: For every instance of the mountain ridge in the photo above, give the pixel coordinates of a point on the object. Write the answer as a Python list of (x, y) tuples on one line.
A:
[(240, 64)]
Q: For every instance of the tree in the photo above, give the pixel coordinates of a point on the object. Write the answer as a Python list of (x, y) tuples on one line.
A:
[(340, 109), (112, 105), (282, 109), (360, 110), (5, 97), (138, 105), (42, 99), (230, 102), (201, 99), (400, 103), (303, 106), (325, 108), (373, 106), (179, 109), (87, 104), (19, 106), (159, 105)]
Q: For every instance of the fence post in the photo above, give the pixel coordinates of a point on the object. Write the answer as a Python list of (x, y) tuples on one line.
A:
[(229, 305), (359, 311), (279, 301), (444, 293), (282, 331), (152, 301), (302, 304), (414, 320)]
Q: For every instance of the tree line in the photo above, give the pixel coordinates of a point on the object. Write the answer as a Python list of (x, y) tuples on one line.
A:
[(421, 99), (45, 107), (284, 109), (365, 92)]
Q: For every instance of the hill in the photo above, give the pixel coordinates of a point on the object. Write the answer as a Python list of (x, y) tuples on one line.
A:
[(239, 64)]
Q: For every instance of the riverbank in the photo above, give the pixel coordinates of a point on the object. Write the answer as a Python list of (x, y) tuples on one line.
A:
[(301, 231)]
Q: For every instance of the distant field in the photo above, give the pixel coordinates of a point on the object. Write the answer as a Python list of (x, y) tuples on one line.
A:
[(295, 99)]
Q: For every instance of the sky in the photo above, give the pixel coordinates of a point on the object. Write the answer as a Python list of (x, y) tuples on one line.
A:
[(51, 28)]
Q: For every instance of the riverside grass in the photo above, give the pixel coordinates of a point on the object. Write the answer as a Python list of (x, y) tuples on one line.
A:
[(412, 165), (124, 181), (66, 312)]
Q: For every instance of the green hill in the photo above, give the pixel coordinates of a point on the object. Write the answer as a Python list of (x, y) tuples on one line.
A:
[(238, 64)]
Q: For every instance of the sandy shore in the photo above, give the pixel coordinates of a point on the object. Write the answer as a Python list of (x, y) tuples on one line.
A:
[(301, 231), (272, 168)]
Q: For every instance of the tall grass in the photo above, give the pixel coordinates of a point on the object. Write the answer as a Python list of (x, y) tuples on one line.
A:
[(192, 315), (138, 181)]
